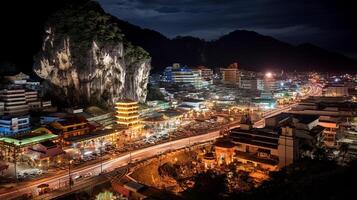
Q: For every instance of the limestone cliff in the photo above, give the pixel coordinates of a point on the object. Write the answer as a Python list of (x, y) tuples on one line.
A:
[(86, 60)]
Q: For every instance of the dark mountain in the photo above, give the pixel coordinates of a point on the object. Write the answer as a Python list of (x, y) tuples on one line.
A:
[(22, 26), (250, 49)]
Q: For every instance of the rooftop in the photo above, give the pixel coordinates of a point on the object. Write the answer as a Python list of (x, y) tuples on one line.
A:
[(71, 120), (171, 113), (29, 140), (224, 144), (91, 135), (306, 119)]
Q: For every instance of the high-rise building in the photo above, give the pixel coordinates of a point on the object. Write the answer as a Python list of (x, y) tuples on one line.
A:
[(14, 98), (204, 72), (32, 100), (269, 82), (230, 75), (127, 113), (184, 75), (249, 84)]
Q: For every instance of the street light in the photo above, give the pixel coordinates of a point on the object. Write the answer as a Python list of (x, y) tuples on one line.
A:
[(269, 75)]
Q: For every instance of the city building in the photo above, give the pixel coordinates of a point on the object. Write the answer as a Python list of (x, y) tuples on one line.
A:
[(264, 103), (24, 80), (11, 126), (204, 72), (225, 151), (270, 83), (32, 100), (324, 128), (326, 106), (331, 127), (154, 106), (19, 78), (2, 107), (94, 142), (230, 75), (14, 99), (69, 126), (12, 147), (184, 75), (209, 160), (97, 117), (288, 147), (257, 146), (279, 143), (248, 84), (335, 90)]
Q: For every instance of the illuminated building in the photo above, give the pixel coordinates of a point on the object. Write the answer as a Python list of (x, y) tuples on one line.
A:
[(19, 78), (231, 74), (14, 98), (185, 75), (204, 72), (69, 126), (24, 80), (225, 150), (335, 91), (331, 125), (209, 160), (333, 111), (11, 147), (288, 147), (249, 84), (127, 113), (10, 126), (268, 147), (270, 83), (15, 109), (256, 146), (17, 100), (32, 100), (265, 103)]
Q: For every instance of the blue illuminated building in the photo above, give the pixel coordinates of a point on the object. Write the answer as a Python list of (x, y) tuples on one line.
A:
[(10, 126)]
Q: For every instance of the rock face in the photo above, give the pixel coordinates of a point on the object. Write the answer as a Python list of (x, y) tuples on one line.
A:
[(88, 66)]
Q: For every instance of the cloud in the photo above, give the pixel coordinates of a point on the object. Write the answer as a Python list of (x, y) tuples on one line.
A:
[(166, 9), (321, 21)]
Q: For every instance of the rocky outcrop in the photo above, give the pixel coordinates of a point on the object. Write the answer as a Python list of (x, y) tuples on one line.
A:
[(92, 63)]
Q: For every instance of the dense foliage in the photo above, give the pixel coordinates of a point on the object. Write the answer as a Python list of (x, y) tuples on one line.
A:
[(154, 93), (83, 22)]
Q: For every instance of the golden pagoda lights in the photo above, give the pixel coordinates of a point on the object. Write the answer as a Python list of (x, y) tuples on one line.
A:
[(127, 113)]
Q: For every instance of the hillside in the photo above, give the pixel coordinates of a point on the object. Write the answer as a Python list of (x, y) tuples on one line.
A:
[(22, 39)]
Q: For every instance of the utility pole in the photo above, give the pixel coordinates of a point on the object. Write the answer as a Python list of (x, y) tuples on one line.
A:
[(129, 157), (101, 156), (15, 162), (69, 175)]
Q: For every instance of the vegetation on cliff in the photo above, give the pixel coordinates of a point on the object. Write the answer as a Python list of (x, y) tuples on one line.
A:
[(83, 22)]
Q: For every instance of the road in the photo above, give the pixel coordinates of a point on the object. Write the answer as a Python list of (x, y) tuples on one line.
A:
[(109, 165), (313, 90)]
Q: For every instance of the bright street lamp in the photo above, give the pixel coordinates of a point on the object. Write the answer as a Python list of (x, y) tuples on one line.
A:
[(269, 75)]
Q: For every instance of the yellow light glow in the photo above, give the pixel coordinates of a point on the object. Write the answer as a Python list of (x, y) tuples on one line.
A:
[(269, 75), (127, 117)]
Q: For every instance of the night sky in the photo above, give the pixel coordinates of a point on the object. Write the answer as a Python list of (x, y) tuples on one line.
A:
[(326, 23)]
